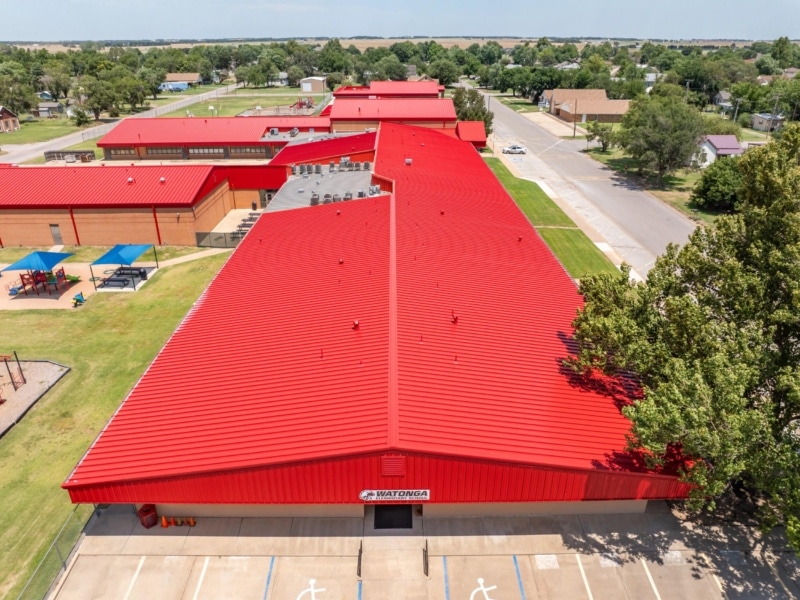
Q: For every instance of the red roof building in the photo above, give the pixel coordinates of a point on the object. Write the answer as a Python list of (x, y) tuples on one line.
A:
[(391, 89), (409, 342), (357, 147), (105, 205), (358, 114), (206, 138)]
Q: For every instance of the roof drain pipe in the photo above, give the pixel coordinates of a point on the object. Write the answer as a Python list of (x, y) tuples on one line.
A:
[(155, 220)]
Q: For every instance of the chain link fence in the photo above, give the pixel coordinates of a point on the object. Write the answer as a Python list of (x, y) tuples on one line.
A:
[(55, 560)]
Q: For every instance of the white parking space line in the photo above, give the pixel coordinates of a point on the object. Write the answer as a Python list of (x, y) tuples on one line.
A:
[(673, 558), (583, 575), (610, 560), (133, 579), (202, 576), (650, 578)]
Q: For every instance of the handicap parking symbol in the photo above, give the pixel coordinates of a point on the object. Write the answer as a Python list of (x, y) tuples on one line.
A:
[(483, 589), (311, 592)]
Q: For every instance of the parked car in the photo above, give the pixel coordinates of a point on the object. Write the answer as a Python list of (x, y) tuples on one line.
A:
[(514, 149)]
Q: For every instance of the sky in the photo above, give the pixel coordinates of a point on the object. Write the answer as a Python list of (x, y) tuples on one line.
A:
[(55, 20)]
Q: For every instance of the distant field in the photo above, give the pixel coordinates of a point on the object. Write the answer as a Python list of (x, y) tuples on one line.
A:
[(230, 106)]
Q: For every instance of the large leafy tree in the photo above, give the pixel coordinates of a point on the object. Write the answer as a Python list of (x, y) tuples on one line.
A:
[(445, 70), (719, 186), (661, 133), (470, 106), (714, 338)]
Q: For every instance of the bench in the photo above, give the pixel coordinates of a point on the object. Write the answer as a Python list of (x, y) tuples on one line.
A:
[(120, 281)]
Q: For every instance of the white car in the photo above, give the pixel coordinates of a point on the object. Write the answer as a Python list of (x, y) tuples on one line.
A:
[(514, 149)]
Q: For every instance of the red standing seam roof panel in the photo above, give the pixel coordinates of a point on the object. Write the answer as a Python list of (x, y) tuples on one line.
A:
[(463, 316), (210, 131), (472, 131), (323, 149), (62, 187), (393, 109)]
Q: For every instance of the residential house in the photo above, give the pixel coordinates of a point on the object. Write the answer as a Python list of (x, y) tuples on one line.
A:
[(313, 85), (280, 80), (722, 99), (46, 96), (766, 122), (650, 80), (8, 120), (603, 111), (188, 78), (716, 146), (764, 79), (550, 99), (567, 65), (48, 110), (790, 73)]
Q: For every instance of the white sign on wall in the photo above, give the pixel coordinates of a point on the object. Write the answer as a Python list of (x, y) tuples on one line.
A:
[(395, 495)]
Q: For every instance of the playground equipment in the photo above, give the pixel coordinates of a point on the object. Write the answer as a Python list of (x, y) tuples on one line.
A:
[(307, 102)]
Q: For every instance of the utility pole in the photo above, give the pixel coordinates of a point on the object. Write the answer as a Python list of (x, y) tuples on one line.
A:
[(686, 100), (772, 116), (736, 112)]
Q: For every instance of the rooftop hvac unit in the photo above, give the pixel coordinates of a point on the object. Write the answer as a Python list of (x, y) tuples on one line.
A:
[(294, 132), (362, 194), (273, 131)]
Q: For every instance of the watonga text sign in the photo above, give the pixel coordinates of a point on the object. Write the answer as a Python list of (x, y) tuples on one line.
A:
[(395, 495)]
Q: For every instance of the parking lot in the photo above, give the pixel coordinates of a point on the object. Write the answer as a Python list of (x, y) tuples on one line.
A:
[(638, 556)]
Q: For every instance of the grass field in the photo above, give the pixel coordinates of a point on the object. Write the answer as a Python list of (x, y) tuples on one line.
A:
[(677, 187), (519, 104), (41, 130), (84, 254), (232, 105), (108, 343), (571, 246)]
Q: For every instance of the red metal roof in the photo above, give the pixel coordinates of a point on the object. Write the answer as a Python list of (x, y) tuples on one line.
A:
[(472, 131), (390, 89), (215, 131), (325, 149), (393, 109), (463, 317), (54, 187)]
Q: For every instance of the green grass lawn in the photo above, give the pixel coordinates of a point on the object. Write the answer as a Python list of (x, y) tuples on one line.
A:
[(751, 135), (230, 106), (108, 343), (84, 254), (677, 186), (41, 130), (571, 246), (519, 104)]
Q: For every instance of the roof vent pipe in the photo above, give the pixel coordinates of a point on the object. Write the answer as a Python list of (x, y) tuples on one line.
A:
[(355, 325), (163, 180), (409, 161), (130, 179)]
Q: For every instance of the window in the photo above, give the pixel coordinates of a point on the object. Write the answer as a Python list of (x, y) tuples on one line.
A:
[(162, 151), (248, 150), (122, 152), (200, 151)]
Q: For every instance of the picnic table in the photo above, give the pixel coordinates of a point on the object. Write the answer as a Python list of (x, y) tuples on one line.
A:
[(120, 281)]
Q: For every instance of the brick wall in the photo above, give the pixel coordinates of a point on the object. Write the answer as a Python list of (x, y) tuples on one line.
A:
[(32, 228)]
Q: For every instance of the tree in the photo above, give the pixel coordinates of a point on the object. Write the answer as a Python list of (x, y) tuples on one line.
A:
[(719, 186), (294, 75), (767, 65), (334, 58), (98, 95), (712, 338), (661, 133), (445, 70), (602, 132), (783, 52), (152, 80), (57, 80), (334, 80), (80, 117), (470, 106)]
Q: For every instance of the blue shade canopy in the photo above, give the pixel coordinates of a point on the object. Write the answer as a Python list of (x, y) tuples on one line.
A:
[(123, 254), (38, 261)]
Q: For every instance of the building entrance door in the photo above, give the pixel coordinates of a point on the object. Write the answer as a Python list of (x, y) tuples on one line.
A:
[(393, 516), (55, 231)]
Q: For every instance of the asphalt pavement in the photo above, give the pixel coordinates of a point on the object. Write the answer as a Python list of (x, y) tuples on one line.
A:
[(634, 223)]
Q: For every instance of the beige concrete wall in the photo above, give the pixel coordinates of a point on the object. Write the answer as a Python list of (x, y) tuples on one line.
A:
[(534, 508), (260, 510), (245, 198), (32, 228)]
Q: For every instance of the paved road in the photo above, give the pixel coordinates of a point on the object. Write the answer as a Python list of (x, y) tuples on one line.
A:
[(637, 225), (28, 152)]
